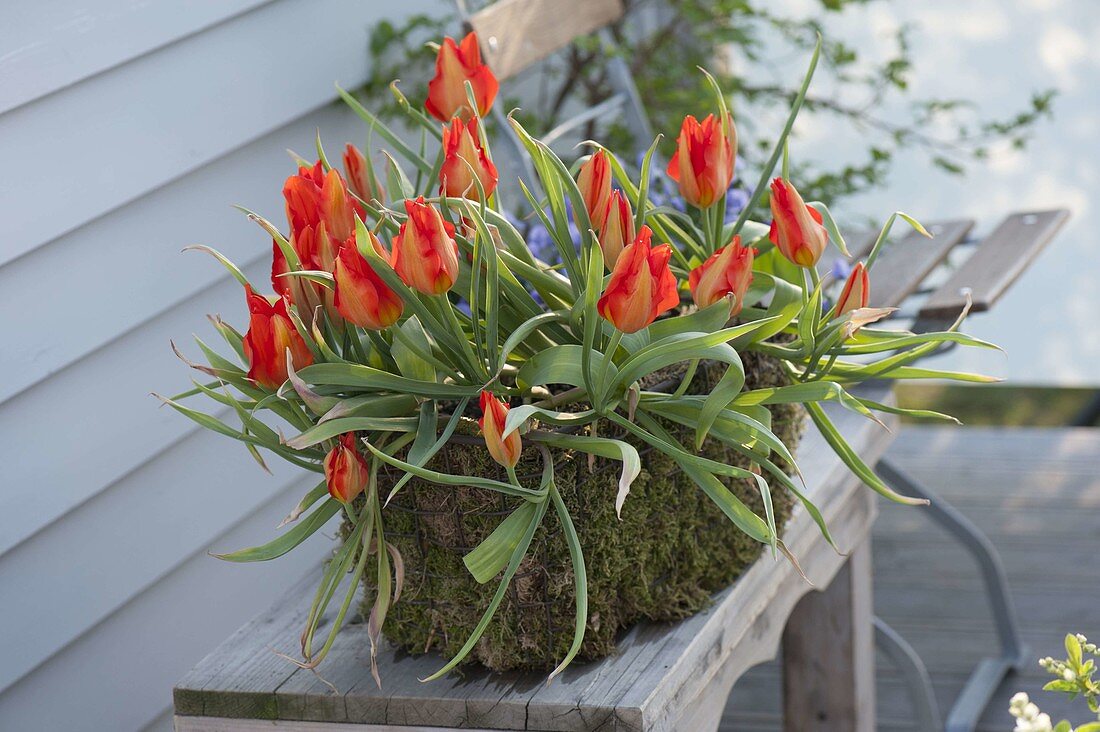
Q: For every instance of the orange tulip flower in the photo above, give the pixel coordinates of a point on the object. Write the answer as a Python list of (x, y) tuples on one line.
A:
[(271, 333), (704, 159), (594, 181), (463, 159), (856, 292), (641, 287), (425, 255), (726, 272), (346, 470), (362, 297), (456, 64), (617, 230), (358, 171), (797, 230), (321, 214), (506, 450)]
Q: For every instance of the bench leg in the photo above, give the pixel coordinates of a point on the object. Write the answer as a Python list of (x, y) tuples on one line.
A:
[(829, 656)]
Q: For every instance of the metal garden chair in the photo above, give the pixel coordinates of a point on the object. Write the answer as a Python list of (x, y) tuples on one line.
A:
[(902, 275)]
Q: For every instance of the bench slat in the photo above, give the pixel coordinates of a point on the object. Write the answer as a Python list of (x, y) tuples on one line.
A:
[(1000, 259)]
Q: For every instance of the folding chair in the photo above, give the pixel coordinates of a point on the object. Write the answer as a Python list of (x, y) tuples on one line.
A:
[(992, 267)]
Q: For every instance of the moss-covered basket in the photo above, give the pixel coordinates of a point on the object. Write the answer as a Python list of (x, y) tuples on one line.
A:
[(670, 552)]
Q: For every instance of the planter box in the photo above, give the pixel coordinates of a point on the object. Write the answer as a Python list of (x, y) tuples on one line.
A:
[(664, 676)]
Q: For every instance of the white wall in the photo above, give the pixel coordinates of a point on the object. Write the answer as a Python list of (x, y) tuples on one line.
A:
[(126, 131)]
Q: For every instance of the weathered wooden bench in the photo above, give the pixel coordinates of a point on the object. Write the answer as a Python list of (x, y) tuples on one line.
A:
[(671, 676)]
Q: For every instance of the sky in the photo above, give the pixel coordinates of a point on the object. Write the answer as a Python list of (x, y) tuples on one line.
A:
[(996, 52)]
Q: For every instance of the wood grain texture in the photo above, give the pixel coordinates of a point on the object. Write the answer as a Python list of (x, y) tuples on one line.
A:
[(665, 675), (828, 654), (999, 260), (515, 34), (928, 589)]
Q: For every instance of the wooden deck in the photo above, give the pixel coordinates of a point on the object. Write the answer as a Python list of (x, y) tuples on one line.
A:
[(1036, 494)]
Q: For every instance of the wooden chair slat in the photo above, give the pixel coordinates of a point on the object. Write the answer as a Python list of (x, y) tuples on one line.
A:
[(902, 265), (999, 260), (515, 34)]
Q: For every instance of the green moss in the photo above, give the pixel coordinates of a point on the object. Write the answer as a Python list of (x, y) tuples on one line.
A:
[(670, 552)]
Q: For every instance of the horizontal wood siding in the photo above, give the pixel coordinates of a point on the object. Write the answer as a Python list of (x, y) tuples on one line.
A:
[(135, 127)]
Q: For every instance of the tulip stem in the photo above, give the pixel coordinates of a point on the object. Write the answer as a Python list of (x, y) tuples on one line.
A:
[(512, 477), (608, 358)]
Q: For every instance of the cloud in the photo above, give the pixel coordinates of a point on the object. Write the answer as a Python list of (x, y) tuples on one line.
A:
[(1062, 50)]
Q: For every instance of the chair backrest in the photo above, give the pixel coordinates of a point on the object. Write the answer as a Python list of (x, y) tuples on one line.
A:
[(517, 34)]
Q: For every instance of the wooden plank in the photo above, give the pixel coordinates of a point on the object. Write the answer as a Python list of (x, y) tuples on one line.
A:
[(245, 670), (515, 34), (902, 265), (219, 724), (1003, 522), (999, 260), (49, 46), (900, 557), (828, 654), (270, 85)]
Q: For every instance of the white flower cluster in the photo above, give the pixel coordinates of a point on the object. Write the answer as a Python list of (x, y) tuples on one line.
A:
[(1028, 717), (1060, 668)]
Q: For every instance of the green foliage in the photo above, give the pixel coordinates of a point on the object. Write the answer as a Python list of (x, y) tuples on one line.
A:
[(666, 41), (527, 333)]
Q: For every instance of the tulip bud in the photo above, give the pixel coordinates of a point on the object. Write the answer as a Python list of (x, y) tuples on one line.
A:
[(463, 158), (856, 292), (271, 333), (796, 228), (704, 160), (727, 271), (454, 66), (362, 297), (302, 193), (361, 179), (338, 209), (641, 286), (617, 230), (494, 412), (594, 182), (425, 255), (346, 470)]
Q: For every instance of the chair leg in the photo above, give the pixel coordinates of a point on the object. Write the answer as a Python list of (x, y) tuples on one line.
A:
[(987, 676), (906, 660)]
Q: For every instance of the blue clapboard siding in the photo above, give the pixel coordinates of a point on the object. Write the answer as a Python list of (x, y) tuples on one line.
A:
[(135, 127)]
